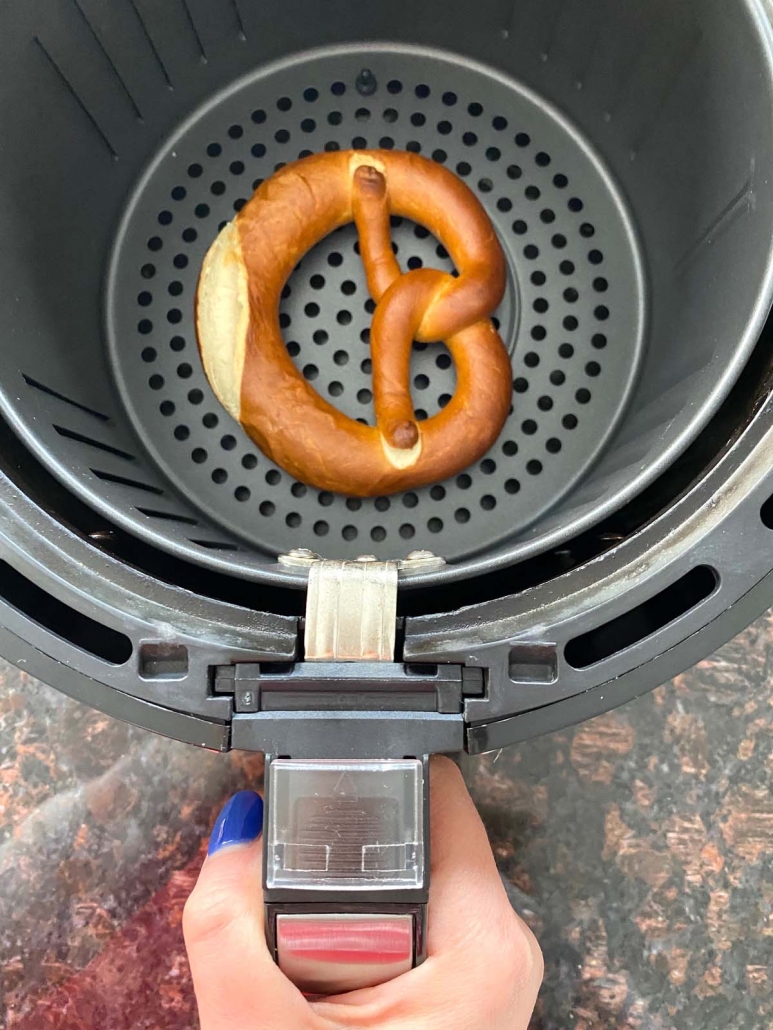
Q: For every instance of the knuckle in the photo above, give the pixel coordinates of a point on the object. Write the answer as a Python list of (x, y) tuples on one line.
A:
[(209, 913), (527, 953), (521, 953)]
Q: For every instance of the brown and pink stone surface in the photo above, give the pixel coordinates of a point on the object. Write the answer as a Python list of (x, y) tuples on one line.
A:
[(639, 846)]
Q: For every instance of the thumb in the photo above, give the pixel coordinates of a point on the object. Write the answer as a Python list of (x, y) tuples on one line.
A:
[(237, 983)]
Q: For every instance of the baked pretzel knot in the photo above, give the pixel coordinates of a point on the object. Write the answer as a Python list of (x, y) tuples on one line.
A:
[(246, 360)]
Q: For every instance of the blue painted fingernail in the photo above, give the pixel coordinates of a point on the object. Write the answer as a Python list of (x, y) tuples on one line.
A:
[(240, 822)]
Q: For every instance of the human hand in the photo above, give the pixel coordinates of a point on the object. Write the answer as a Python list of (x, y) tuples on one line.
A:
[(483, 967)]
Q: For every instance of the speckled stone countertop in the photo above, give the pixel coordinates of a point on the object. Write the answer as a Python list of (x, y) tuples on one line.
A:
[(639, 846)]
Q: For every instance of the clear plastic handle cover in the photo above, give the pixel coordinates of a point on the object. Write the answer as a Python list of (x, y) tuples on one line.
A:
[(345, 825)]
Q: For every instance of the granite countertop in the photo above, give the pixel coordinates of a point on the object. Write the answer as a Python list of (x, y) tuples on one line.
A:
[(639, 846)]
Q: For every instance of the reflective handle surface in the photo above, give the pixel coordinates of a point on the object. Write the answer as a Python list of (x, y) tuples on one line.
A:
[(330, 953)]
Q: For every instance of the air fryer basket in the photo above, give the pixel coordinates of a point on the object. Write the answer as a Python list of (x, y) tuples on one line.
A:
[(624, 154), (573, 287), (629, 196)]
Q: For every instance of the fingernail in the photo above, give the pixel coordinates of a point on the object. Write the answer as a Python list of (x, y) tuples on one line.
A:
[(240, 822)]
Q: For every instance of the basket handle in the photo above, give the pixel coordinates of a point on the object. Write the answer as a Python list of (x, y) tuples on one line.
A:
[(345, 870)]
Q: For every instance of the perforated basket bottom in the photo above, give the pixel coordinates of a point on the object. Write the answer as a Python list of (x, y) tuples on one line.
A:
[(572, 315)]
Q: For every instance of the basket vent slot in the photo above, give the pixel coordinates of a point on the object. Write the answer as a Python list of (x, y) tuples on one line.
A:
[(62, 620), (109, 477), (61, 397), (641, 622), (70, 434), (168, 516), (215, 545)]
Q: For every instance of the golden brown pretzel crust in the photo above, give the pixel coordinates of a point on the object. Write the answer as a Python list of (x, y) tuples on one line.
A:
[(246, 360)]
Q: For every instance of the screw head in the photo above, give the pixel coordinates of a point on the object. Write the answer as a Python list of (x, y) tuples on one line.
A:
[(298, 557), (365, 83), (420, 556), (420, 561)]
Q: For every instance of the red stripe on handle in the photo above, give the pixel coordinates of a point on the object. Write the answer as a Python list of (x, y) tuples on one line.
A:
[(373, 941)]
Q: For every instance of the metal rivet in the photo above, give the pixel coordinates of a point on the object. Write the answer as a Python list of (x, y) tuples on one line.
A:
[(300, 557), (366, 83)]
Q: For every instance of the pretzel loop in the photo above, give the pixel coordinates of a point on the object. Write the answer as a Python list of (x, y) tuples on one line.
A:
[(246, 360)]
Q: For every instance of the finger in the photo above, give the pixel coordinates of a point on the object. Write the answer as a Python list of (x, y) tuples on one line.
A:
[(483, 966), (236, 981), (462, 865), (469, 910)]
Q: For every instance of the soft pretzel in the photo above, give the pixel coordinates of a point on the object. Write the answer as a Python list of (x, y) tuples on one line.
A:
[(247, 363)]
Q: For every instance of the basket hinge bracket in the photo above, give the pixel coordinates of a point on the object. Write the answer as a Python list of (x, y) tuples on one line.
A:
[(349, 650), (351, 606)]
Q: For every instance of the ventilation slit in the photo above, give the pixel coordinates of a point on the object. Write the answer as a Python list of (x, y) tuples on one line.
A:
[(62, 620), (641, 622), (109, 477), (70, 434), (35, 384)]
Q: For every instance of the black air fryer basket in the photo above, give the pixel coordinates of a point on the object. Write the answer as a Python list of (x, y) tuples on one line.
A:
[(619, 529)]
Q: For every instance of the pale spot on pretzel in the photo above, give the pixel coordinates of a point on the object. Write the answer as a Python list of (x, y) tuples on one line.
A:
[(402, 457), (358, 158), (223, 317)]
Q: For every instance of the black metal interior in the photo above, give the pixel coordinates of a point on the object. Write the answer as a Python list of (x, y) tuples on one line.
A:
[(661, 115)]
